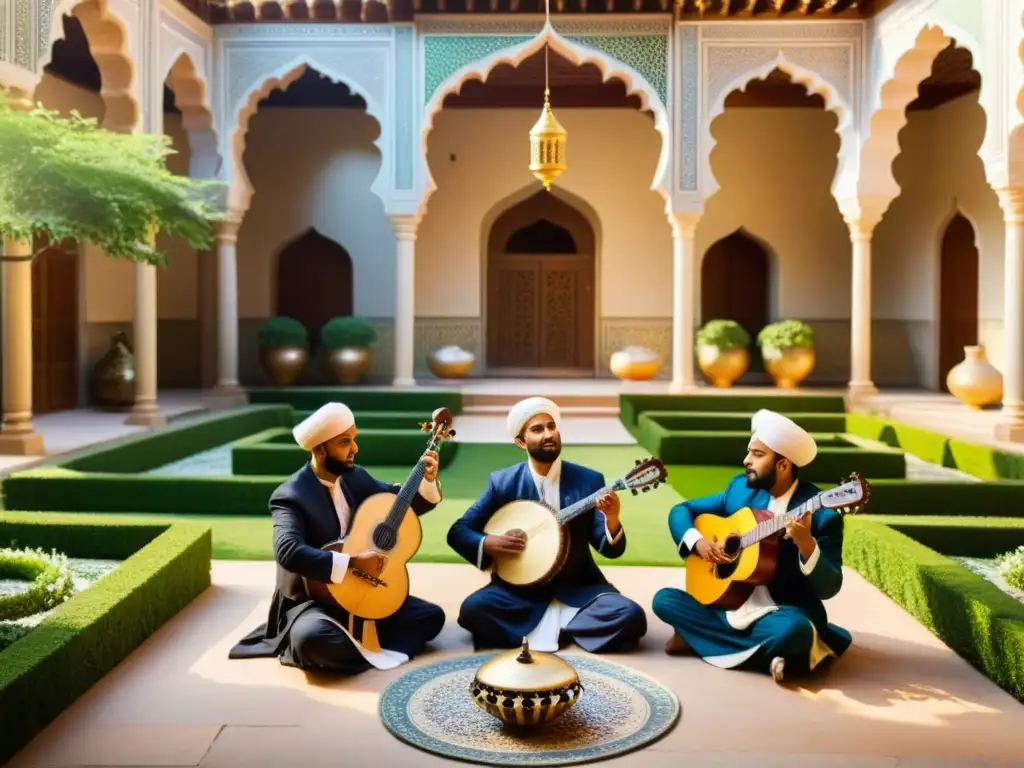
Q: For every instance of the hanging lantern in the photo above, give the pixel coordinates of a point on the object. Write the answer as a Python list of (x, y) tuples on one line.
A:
[(547, 145)]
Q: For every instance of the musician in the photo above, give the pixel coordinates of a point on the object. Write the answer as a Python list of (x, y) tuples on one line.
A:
[(784, 624), (578, 600), (316, 506)]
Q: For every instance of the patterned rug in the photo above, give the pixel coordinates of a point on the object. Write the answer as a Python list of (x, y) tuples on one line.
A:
[(621, 710)]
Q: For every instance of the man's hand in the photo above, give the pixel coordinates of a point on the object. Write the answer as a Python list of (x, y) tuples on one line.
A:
[(512, 543), (430, 469), (609, 504), (710, 551), (799, 530), (370, 563)]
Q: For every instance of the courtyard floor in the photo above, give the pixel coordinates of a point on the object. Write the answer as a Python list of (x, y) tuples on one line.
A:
[(899, 697)]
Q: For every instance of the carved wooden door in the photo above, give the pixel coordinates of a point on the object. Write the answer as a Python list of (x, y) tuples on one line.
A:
[(55, 330), (958, 295)]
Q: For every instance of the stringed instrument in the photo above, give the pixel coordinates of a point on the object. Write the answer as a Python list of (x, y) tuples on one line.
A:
[(750, 537), (547, 538), (382, 524)]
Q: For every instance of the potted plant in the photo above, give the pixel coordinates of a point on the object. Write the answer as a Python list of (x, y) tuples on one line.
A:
[(348, 341), (788, 351), (284, 350), (722, 351)]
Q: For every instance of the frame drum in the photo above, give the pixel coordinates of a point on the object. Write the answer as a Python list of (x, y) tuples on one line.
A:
[(545, 542)]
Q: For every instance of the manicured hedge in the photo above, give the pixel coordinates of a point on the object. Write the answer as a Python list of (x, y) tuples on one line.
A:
[(632, 405), (969, 614), (698, 421), (964, 536), (274, 452), (373, 399), (46, 670)]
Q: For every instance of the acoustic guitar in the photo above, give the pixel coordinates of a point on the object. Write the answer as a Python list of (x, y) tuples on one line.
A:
[(547, 539), (750, 538), (382, 524)]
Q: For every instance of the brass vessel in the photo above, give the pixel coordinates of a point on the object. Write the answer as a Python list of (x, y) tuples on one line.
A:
[(284, 365), (113, 377), (635, 364), (524, 687), (788, 367), (723, 366), (974, 381), (348, 365)]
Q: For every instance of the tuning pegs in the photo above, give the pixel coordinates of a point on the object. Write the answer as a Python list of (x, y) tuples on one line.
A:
[(635, 492), (646, 488), (452, 433), (656, 483), (637, 463)]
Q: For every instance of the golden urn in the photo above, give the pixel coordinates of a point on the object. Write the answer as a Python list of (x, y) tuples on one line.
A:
[(975, 381), (524, 687), (723, 367), (451, 362), (635, 364), (788, 367), (348, 365)]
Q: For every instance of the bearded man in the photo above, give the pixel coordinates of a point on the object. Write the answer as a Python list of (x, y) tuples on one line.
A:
[(578, 601), (782, 625)]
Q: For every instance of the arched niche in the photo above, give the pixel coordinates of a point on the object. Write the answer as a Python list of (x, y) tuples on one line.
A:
[(314, 281), (540, 290), (735, 284), (958, 294)]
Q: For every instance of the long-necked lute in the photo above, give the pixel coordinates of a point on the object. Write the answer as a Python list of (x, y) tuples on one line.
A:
[(750, 537), (547, 539)]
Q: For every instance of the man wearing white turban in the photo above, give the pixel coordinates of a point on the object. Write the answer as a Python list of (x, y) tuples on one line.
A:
[(578, 600), (314, 507), (782, 624)]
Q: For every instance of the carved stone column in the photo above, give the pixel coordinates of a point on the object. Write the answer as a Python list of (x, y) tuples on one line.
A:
[(862, 226), (405, 299), (18, 435), (226, 236), (146, 412), (1011, 425), (684, 298)]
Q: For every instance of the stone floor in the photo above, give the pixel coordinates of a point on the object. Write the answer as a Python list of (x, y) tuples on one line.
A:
[(899, 697)]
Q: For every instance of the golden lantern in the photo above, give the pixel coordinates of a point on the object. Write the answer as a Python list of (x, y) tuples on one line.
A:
[(547, 137)]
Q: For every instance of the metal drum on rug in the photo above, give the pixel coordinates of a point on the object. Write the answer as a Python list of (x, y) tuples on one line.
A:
[(432, 708)]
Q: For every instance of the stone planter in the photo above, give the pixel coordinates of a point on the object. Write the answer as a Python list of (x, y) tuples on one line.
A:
[(788, 367), (451, 362), (284, 365), (348, 365), (723, 367), (635, 364), (974, 381)]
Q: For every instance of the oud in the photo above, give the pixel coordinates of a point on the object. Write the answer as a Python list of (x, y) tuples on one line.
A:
[(382, 524), (547, 538), (750, 538)]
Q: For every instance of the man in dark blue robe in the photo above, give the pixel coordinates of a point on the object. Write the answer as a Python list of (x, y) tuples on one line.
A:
[(314, 507), (782, 625), (578, 601)]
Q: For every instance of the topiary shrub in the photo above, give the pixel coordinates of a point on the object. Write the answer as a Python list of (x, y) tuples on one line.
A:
[(283, 332), (1011, 567), (723, 334), (347, 331), (51, 582), (786, 334)]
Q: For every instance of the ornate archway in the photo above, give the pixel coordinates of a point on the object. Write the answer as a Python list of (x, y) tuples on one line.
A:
[(541, 290), (314, 281), (958, 294), (192, 100)]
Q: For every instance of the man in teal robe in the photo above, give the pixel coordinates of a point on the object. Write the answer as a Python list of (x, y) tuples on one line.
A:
[(782, 624)]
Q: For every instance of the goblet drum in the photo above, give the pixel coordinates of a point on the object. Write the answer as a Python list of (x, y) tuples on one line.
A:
[(526, 687)]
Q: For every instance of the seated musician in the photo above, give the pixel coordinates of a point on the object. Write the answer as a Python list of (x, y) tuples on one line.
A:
[(314, 507), (784, 624), (578, 600)]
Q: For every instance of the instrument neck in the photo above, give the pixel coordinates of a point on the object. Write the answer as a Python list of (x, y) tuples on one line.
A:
[(767, 528), (563, 516), (407, 493)]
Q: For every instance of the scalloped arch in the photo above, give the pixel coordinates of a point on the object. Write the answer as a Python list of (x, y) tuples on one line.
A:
[(815, 85), (1015, 141), (107, 34), (191, 97), (245, 107), (610, 68)]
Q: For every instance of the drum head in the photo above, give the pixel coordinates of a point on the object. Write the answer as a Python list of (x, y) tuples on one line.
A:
[(543, 541)]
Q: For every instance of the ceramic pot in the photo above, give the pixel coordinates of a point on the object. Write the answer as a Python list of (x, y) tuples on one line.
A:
[(284, 365), (723, 366), (450, 362), (348, 365), (975, 381), (635, 364), (113, 377), (788, 367)]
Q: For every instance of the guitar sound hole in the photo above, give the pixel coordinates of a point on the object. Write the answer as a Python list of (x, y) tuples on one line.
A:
[(384, 538), (732, 546)]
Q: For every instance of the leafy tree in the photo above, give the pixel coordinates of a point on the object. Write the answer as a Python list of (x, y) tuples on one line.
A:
[(67, 177)]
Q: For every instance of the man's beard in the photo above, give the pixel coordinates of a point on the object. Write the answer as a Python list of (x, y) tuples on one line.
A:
[(336, 466), (545, 454), (763, 483)]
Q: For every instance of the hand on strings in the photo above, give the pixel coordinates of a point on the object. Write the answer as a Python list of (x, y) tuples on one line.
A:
[(799, 530), (430, 466), (512, 543), (371, 563), (609, 504), (710, 551)]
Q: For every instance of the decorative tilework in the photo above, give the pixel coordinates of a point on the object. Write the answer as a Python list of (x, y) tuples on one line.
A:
[(292, 31), (43, 30), (690, 85), (4, 5), (404, 107), (22, 34), (444, 55), (442, 25), (647, 55), (798, 31)]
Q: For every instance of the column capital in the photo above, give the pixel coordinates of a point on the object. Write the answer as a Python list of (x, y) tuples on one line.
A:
[(226, 230), (1011, 200), (405, 226), (684, 224), (862, 214)]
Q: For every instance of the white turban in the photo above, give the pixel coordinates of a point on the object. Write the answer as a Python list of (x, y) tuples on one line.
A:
[(327, 422), (784, 437), (526, 409)]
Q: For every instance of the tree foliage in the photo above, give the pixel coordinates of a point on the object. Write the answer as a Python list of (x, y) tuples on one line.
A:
[(67, 177)]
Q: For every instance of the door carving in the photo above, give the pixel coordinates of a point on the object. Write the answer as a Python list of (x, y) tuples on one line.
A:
[(55, 329)]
